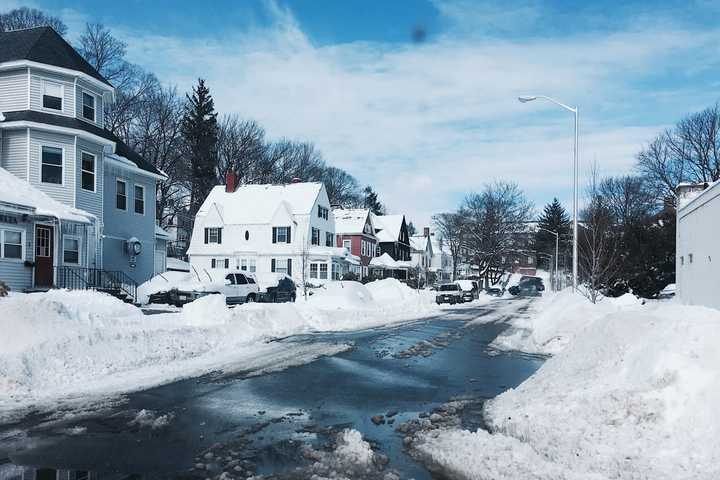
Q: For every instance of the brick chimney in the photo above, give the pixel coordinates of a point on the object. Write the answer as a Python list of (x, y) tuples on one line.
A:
[(426, 231), (231, 180)]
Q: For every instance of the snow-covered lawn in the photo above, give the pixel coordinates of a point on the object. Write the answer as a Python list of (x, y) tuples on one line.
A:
[(631, 392), (71, 345)]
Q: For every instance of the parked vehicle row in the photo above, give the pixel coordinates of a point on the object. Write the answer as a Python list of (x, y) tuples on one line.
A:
[(460, 291)]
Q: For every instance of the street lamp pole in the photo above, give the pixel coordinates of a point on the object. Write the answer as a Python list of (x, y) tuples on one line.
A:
[(557, 243), (576, 161)]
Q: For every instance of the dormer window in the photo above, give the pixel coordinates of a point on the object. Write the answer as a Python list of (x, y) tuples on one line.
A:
[(88, 106), (52, 95), (323, 212)]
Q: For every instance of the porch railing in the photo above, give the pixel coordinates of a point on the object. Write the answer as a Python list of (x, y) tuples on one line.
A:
[(82, 278)]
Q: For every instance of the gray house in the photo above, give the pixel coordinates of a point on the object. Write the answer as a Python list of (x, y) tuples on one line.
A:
[(53, 142)]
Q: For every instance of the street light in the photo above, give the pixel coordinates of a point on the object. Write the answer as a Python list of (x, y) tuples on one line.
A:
[(557, 241), (576, 160)]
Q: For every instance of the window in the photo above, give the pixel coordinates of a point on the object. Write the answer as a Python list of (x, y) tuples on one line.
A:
[(315, 236), (213, 235), (281, 265), (322, 212), (230, 278), (140, 199), (11, 244), (51, 165), (71, 250), (120, 195), (87, 171), (88, 106), (313, 270), (252, 265), (347, 244), (281, 235), (52, 95), (243, 264), (323, 271), (530, 260), (328, 239), (335, 271), (241, 280), (220, 263)]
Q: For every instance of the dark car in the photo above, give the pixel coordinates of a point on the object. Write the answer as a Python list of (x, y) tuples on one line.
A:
[(528, 286), (449, 293), (284, 291)]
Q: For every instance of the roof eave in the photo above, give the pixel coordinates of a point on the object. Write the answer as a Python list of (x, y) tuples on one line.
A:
[(62, 70)]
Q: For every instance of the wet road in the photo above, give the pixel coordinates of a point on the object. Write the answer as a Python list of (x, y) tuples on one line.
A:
[(259, 422)]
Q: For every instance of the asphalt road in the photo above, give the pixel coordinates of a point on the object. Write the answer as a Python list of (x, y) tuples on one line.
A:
[(261, 422)]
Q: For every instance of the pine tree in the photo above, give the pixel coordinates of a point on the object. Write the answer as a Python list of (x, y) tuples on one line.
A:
[(555, 219), (371, 201), (200, 129)]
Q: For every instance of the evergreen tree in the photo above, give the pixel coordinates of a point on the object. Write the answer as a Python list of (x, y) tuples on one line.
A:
[(371, 201), (555, 219), (200, 130), (412, 230)]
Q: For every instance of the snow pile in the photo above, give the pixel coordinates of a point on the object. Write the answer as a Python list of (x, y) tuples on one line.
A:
[(187, 281), (390, 289), (633, 395), (338, 295)]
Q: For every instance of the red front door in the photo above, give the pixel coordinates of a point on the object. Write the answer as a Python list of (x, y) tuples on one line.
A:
[(44, 256)]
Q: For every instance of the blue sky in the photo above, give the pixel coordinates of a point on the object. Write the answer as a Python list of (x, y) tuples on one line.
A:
[(426, 123)]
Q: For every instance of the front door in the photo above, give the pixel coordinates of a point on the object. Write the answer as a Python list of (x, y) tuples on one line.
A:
[(44, 256)]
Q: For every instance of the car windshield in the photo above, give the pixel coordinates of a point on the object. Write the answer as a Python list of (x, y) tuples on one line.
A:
[(449, 288)]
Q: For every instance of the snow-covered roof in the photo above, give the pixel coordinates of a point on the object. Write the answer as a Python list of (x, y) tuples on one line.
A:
[(16, 191), (384, 261), (418, 242), (256, 204), (161, 233), (350, 221), (387, 227), (177, 265)]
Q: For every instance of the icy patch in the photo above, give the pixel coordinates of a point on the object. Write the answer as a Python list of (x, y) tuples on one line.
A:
[(149, 419)]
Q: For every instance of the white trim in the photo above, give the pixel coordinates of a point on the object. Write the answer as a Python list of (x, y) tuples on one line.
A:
[(79, 243), (95, 169), (22, 244), (28, 156), (83, 92), (75, 171), (43, 85), (62, 164), (135, 185), (29, 90), (56, 129), (65, 71), (125, 182)]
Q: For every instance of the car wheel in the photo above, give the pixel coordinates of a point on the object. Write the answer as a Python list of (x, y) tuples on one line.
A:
[(250, 298)]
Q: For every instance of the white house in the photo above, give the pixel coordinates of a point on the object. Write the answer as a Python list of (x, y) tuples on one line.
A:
[(421, 251), (441, 262), (697, 261), (269, 228)]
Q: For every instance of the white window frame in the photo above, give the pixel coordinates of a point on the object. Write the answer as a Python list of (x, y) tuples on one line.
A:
[(312, 236), (94, 172), (285, 231), (45, 82), (84, 92), (216, 230), (62, 164), (79, 250), (281, 265), (320, 272), (252, 265), (347, 244), (135, 186), (22, 244), (120, 180), (317, 270)]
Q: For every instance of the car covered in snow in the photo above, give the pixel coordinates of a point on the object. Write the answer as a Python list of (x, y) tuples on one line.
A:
[(180, 288), (449, 293), (276, 288), (667, 292), (528, 286), (469, 288)]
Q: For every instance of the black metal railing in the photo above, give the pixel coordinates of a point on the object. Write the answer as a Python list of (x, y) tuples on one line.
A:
[(82, 278)]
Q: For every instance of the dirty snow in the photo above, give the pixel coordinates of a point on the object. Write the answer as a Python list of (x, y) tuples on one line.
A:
[(630, 392)]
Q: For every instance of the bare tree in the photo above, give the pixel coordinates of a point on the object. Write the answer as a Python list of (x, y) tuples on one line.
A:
[(241, 147), (24, 17), (493, 220), (342, 188), (450, 228), (597, 243)]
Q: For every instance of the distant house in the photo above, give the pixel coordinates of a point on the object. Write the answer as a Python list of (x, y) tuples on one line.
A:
[(441, 263), (354, 231), (392, 235), (53, 140), (697, 245), (421, 252), (269, 228)]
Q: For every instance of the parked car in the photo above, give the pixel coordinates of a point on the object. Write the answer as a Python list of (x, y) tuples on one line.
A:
[(237, 287), (496, 290), (449, 293), (528, 286), (668, 291), (240, 288), (469, 290), (276, 288)]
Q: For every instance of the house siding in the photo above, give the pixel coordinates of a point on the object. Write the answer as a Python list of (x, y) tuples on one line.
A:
[(13, 90), (36, 92), (13, 152), (87, 87), (15, 273), (64, 193), (121, 225)]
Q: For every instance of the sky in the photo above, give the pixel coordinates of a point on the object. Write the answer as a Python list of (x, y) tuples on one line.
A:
[(419, 98)]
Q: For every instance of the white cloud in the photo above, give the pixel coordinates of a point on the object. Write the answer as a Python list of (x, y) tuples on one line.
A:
[(427, 123)]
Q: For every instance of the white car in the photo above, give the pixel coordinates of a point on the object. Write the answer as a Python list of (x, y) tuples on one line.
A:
[(240, 288)]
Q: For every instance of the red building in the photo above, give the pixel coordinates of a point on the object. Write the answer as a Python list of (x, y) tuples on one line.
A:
[(354, 230)]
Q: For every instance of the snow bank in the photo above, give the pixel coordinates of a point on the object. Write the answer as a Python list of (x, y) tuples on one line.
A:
[(633, 394), (71, 344)]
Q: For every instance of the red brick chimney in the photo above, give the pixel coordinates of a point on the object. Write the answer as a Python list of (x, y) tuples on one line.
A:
[(231, 180), (426, 231)]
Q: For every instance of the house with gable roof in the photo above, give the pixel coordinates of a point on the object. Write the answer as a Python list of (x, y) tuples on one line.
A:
[(54, 141), (355, 232), (286, 228)]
